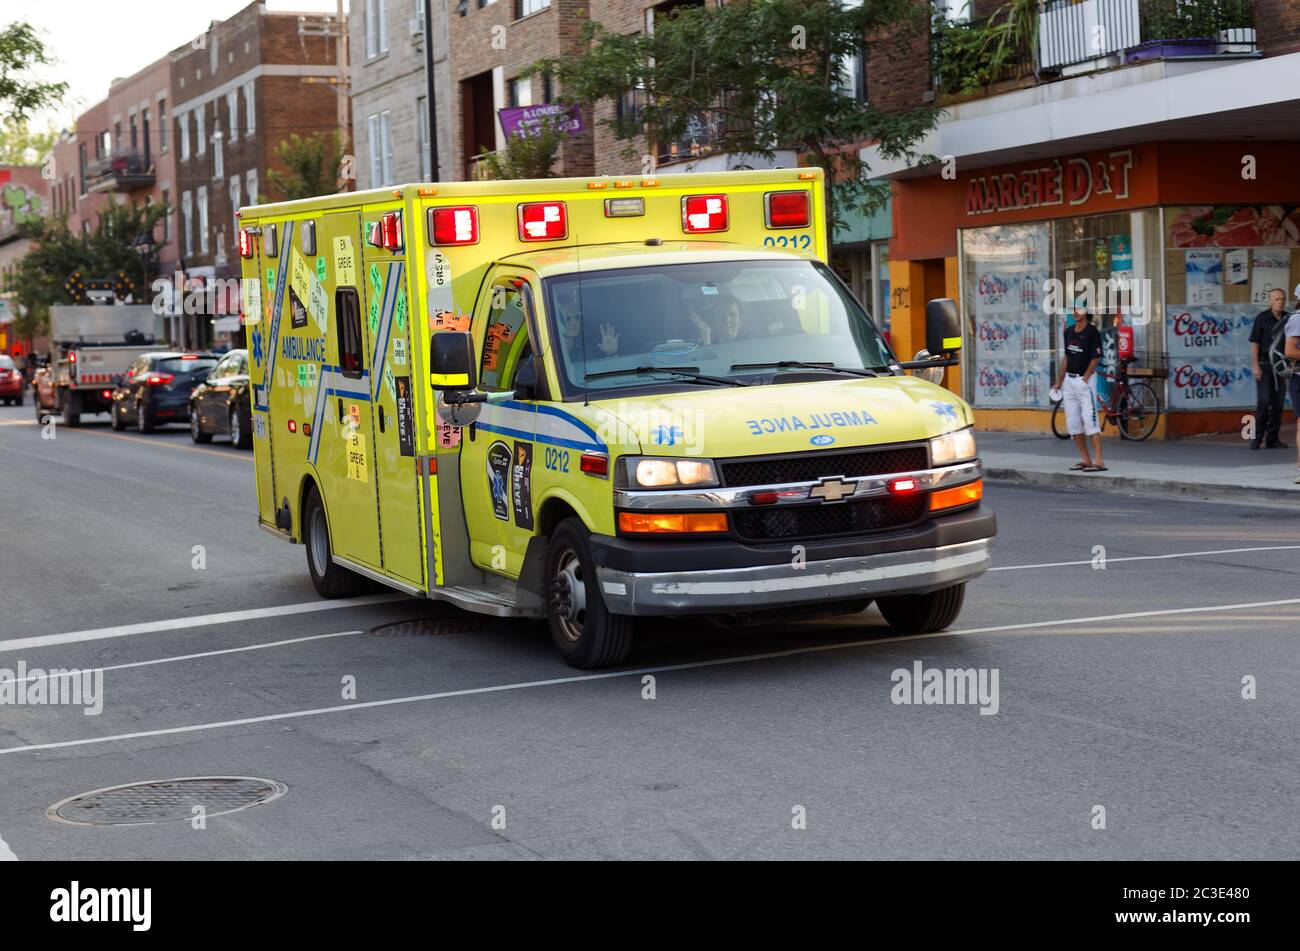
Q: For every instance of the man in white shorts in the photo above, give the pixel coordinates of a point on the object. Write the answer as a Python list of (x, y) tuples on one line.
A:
[(1077, 381)]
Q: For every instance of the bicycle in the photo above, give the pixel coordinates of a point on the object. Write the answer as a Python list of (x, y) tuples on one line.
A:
[(1133, 407)]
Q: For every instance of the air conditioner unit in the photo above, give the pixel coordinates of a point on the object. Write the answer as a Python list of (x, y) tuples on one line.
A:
[(415, 25)]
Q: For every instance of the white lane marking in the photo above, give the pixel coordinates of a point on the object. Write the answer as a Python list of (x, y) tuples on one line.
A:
[(6, 853), (202, 620), (1179, 554), (180, 657), (608, 675)]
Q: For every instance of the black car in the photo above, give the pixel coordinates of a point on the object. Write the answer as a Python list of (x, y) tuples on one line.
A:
[(156, 389), (221, 403)]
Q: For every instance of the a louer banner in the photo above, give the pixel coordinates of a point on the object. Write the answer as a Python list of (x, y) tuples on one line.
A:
[(526, 120)]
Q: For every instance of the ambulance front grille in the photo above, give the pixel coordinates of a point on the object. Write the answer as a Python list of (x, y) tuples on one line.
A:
[(811, 466), (849, 518)]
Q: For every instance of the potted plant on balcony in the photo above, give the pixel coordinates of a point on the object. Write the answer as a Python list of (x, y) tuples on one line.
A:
[(1172, 28)]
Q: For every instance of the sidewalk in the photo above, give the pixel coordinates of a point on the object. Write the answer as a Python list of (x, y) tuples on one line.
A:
[(1207, 467)]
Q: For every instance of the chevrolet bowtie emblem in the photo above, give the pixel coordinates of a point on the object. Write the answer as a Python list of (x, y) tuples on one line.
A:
[(832, 490)]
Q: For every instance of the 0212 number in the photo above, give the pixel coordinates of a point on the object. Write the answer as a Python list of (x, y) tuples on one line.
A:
[(557, 460), (800, 241)]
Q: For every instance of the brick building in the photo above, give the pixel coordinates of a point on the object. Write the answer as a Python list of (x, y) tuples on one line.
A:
[(240, 89), (24, 195), (390, 113)]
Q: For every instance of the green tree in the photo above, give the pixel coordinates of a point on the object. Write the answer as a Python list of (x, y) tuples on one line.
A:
[(311, 166), (526, 156), (21, 93), (21, 145), (759, 76), (37, 280)]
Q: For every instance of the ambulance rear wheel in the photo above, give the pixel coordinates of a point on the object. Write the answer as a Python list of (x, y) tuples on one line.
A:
[(923, 613), (331, 580), (582, 629)]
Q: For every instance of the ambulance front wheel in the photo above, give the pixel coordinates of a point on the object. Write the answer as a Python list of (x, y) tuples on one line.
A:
[(331, 580), (923, 613), (582, 629)]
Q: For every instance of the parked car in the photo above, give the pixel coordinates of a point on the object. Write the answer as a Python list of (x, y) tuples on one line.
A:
[(156, 389), (221, 404), (11, 381)]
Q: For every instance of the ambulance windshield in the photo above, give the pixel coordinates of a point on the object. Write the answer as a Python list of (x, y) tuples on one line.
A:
[(751, 321)]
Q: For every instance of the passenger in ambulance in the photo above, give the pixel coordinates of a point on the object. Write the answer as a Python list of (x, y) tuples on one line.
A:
[(727, 326), (569, 320)]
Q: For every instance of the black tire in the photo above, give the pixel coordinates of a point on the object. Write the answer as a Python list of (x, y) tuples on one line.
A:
[(18, 401), (923, 613), (1059, 429), (240, 437), (144, 420), (196, 427), (331, 580), (41, 411), (115, 417), (584, 632), (1144, 404), (71, 410)]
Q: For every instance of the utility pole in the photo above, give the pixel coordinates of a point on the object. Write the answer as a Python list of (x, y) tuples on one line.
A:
[(431, 96)]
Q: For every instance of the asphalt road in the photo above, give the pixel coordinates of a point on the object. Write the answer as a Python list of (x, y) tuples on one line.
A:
[(1120, 688)]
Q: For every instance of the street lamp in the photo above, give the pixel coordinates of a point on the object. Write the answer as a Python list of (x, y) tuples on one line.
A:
[(144, 245)]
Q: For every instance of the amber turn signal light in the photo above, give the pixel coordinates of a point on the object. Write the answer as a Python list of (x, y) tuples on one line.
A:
[(957, 495), (675, 522)]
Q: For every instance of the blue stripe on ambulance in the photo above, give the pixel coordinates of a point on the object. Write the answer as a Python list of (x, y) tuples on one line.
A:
[(261, 399), (331, 383), (391, 289), (545, 424)]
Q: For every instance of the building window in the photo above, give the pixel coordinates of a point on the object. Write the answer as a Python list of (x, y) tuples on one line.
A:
[(422, 110), (236, 199), (145, 125), (135, 132), (251, 179), (202, 202), (519, 92), (954, 11), (200, 130), (187, 216), (376, 28), (528, 7), (167, 216), (162, 125), (183, 133), (232, 106), (381, 151), (218, 152), (81, 163), (250, 116), (548, 88)]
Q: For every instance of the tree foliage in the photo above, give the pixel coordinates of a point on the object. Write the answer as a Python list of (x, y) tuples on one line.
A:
[(759, 76), (311, 164), (21, 93), (22, 145), (37, 280), (526, 156)]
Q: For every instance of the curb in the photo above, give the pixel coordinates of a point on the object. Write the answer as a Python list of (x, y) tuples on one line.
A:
[(1165, 488)]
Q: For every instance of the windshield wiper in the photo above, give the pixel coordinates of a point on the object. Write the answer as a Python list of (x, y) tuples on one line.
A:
[(690, 373), (802, 365)]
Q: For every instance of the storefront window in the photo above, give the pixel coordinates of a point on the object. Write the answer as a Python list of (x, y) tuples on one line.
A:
[(1221, 262)]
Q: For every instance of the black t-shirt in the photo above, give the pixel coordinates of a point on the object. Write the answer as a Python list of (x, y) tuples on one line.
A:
[(1081, 348), (1265, 327)]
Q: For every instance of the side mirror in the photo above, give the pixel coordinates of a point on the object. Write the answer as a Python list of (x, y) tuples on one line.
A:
[(526, 381), (942, 327), (451, 361)]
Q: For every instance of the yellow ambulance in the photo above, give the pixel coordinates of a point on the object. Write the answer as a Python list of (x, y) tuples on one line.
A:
[(591, 400)]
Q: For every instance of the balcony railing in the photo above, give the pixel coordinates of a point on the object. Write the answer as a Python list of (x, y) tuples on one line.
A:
[(119, 172), (1074, 36)]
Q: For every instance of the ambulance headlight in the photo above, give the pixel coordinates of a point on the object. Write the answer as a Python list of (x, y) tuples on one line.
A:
[(952, 447), (651, 473)]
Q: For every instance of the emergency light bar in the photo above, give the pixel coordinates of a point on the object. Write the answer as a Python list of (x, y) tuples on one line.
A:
[(543, 221), (246, 246), (704, 213), (453, 225), (787, 209)]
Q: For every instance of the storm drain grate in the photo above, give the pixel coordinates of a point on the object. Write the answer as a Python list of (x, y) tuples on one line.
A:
[(166, 800), (431, 626)]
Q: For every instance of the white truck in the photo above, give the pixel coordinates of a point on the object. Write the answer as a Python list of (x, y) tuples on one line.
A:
[(92, 346)]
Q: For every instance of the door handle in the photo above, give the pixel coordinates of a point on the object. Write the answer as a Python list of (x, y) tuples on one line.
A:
[(382, 421), (340, 410)]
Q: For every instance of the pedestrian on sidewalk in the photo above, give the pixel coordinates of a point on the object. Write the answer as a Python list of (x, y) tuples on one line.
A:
[(1077, 381), (1270, 389), (1292, 352)]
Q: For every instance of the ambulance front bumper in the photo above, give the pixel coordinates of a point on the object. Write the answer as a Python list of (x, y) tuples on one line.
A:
[(962, 554)]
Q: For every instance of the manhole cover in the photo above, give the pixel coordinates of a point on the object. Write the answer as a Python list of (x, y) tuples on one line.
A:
[(166, 800), (427, 626)]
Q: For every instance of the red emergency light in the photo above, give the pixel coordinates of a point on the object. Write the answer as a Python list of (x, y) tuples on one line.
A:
[(704, 213), (458, 225), (543, 221), (390, 231), (787, 209), (903, 486), (246, 246)]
